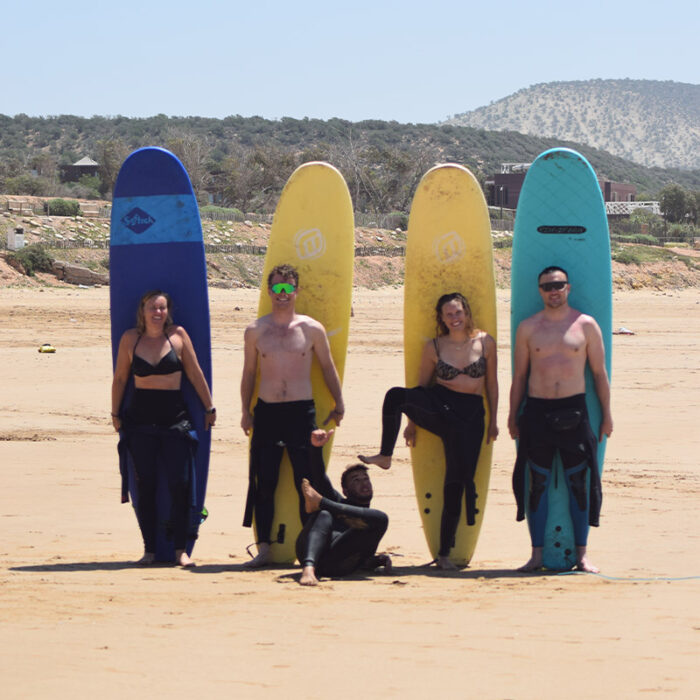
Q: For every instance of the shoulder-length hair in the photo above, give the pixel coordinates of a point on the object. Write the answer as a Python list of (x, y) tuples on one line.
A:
[(141, 313), (442, 329)]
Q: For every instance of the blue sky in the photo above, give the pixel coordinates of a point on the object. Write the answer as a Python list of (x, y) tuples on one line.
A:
[(405, 61)]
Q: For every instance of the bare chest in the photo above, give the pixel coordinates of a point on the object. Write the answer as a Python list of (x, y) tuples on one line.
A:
[(569, 342), (283, 341)]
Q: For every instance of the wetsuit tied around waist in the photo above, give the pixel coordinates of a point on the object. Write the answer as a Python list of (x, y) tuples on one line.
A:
[(277, 426), (547, 425)]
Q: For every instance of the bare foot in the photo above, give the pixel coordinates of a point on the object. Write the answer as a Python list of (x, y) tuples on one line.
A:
[(183, 559), (262, 559), (583, 564), (312, 498), (445, 564), (535, 561), (382, 461), (147, 559), (308, 576)]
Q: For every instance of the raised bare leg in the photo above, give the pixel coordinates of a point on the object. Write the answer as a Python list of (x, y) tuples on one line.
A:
[(312, 498), (583, 563), (379, 460), (535, 561)]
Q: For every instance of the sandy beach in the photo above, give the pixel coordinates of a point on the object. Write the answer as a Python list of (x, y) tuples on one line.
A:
[(78, 617)]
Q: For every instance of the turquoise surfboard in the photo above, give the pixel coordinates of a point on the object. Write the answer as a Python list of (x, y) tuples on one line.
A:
[(561, 220), (156, 243)]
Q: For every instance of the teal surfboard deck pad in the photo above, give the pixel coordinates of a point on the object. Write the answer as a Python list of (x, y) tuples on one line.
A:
[(561, 220), (156, 243)]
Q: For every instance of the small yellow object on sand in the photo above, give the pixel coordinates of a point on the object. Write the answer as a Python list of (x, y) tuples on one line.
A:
[(47, 347)]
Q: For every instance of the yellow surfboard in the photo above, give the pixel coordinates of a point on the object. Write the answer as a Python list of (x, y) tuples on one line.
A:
[(313, 230), (448, 250)]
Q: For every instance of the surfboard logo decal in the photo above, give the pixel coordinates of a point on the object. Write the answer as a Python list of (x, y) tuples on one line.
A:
[(137, 220), (561, 229), (309, 243), (449, 247)]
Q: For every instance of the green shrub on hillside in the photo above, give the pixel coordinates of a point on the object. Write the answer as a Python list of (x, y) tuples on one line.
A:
[(229, 213), (33, 258), (62, 207), (397, 219), (639, 238), (26, 184)]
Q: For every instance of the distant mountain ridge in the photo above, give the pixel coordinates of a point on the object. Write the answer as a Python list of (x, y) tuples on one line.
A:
[(651, 122)]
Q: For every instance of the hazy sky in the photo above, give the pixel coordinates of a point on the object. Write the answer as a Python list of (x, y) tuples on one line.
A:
[(406, 61)]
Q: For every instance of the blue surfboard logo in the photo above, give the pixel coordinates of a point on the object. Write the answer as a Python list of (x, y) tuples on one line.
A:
[(137, 220)]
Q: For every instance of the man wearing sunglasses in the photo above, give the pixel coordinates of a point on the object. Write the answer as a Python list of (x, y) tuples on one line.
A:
[(282, 345), (552, 348)]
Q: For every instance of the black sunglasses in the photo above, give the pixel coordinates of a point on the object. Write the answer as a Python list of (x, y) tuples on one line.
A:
[(549, 286)]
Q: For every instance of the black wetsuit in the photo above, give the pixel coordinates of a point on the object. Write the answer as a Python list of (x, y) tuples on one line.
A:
[(458, 419), (276, 426), (548, 425), (157, 428), (341, 537)]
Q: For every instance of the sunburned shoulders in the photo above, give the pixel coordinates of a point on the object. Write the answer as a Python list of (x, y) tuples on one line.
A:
[(303, 318), (308, 322), (298, 320), (589, 324), (586, 319)]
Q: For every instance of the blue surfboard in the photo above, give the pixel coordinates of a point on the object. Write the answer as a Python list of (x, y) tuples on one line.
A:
[(561, 220), (156, 243)]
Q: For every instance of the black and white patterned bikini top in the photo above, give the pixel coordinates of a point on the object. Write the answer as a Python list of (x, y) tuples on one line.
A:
[(446, 371)]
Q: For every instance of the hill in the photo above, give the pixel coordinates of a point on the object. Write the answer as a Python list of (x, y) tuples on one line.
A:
[(244, 162), (654, 123)]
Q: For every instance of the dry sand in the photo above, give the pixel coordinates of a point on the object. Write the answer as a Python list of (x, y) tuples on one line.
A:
[(76, 617)]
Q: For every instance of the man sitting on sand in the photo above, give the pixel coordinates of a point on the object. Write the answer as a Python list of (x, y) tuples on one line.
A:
[(342, 534), (551, 351)]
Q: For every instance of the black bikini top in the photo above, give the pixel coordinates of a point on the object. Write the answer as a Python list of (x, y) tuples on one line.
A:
[(445, 371), (168, 364)]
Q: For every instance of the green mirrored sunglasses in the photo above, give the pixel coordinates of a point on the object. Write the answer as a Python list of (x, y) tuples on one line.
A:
[(283, 287)]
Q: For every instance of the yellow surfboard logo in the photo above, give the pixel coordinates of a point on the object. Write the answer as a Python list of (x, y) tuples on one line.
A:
[(449, 247), (309, 244)]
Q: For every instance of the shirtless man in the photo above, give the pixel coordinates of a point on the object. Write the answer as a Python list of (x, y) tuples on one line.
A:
[(282, 344), (553, 346)]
